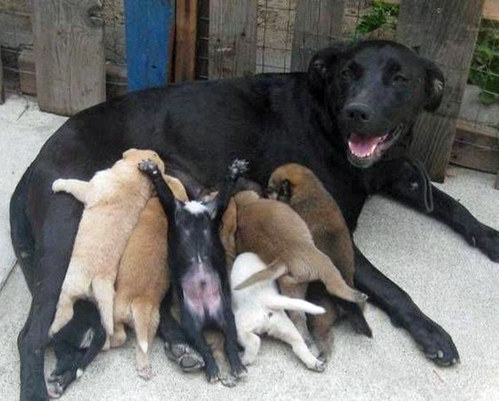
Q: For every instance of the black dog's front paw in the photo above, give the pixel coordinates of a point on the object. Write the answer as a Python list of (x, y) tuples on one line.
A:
[(486, 239), (59, 382), (434, 342), (238, 167), (149, 167)]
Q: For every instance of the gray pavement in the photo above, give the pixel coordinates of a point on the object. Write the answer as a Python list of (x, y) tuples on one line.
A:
[(453, 283)]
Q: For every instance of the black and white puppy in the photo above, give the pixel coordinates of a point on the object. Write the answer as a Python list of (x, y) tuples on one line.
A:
[(198, 267)]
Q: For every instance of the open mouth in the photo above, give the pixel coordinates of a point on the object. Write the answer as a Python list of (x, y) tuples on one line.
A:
[(364, 149)]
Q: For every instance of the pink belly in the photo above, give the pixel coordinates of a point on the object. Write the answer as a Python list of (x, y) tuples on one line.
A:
[(202, 292)]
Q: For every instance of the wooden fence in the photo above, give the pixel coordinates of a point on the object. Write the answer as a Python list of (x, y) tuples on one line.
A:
[(165, 38)]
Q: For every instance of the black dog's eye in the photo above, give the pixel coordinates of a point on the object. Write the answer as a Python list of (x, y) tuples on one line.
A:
[(400, 79)]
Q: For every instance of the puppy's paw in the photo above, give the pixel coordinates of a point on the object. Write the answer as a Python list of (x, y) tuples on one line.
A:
[(58, 185), (149, 167), (238, 167), (228, 380), (57, 383), (188, 358), (360, 297), (240, 372), (145, 372), (318, 366)]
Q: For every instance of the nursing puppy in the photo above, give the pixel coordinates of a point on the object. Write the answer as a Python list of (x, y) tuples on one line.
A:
[(277, 234), (113, 200), (298, 186), (260, 309), (143, 279), (198, 267)]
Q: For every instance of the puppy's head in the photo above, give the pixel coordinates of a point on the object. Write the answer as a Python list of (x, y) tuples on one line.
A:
[(287, 180), (135, 156)]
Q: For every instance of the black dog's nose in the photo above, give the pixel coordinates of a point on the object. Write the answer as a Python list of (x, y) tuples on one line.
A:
[(358, 112)]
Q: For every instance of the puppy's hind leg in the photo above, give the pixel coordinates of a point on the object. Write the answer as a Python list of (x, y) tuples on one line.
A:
[(77, 188), (104, 297), (64, 312), (146, 326), (251, 343), (291, 289), (284, 329), (336, 285), (231, 349)]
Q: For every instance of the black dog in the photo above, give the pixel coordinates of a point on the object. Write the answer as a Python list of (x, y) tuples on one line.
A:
[(198, 268), (348, 119)]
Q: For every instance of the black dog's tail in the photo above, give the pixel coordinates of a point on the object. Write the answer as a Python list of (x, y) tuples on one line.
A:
[(20, 228)]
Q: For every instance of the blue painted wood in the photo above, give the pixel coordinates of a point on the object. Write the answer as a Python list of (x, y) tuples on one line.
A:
[(148, 30)]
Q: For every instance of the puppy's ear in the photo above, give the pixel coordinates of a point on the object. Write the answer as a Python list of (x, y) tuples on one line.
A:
[(434, 85), (320, 66), (127, 152), (284, 192)]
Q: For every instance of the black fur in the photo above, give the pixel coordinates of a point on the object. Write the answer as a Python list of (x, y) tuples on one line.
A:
[(198, 268), (268, 119)]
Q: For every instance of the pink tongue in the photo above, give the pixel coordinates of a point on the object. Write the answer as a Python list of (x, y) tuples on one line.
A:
[(363, 146)]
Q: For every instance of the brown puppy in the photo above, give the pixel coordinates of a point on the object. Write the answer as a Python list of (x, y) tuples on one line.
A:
[(113, 200), (143, 278), (302, 190), (276, 233)]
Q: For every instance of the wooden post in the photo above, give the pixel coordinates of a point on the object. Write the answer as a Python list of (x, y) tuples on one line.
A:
[(232, 43), (69, 54), (318, 22), (2, 92), (185, 40), (149, 30), (444, 31)]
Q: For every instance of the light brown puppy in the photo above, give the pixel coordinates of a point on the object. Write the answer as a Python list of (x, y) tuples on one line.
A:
[(277, 234), (298, 186), (143, 278), (113, 200)]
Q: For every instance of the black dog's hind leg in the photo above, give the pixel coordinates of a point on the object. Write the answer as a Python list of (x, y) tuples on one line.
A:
[(177, 347), (195, 334), (231, 345), (434, 341), (411, 189), (76, 345)]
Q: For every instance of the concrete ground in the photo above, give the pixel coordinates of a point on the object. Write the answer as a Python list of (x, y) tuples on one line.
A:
[(453, 283)]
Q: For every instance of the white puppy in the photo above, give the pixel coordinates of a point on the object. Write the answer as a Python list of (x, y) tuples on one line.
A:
[(260, 309)]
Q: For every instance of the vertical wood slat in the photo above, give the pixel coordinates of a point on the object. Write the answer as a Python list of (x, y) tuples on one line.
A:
[(149, 28), (69, 54), (232, 43), (185, 40), (318, 22), (2, 92), (444, 31)]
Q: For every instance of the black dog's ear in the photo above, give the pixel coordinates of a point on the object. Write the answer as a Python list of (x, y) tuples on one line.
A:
[(321, 64), (434, 85)]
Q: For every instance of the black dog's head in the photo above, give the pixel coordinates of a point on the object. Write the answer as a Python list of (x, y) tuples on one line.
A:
[(375, 90)]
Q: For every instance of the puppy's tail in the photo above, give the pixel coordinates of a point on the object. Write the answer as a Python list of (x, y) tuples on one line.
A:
[(283, 302), (273, 272)]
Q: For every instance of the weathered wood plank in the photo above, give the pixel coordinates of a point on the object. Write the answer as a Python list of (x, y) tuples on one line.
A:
[(318, 22), (232, 41), (448, 38), (148, 29), (116, 78), (2, 91), (69, 54), (475, 150), (185, 40)]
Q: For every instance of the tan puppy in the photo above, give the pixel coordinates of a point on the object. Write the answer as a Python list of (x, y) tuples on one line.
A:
[(113, 200), (143, 278), (302, 190), (277, 234)]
